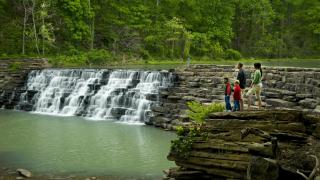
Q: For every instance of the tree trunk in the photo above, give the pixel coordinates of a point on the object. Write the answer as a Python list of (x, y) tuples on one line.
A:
[(24, 27), (34, 26), (42, 36), (92, 34)]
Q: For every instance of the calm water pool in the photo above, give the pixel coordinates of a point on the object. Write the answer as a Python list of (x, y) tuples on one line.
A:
[(72, 145)]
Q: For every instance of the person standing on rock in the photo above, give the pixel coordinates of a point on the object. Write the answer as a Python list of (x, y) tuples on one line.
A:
[(236, 95), (242, 79), (256, 85), (227, 93)]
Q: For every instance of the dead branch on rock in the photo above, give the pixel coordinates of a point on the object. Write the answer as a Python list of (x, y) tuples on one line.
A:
[(255, 131), (245, 132), (313, 173)]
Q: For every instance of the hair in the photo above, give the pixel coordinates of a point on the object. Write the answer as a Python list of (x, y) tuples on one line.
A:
[(240, 64), (226, 79), (258, 66)]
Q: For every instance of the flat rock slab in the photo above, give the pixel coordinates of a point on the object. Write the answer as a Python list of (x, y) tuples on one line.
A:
[(24, 173), (308, 103), (280, 103), (317, 109)]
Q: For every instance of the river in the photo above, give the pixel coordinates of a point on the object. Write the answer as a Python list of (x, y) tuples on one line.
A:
[(77, 146)]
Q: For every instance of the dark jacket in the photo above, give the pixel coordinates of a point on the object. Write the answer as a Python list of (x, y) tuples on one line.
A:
[(242, 78)]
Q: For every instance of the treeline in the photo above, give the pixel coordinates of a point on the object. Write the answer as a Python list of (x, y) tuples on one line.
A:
[(144, 29)]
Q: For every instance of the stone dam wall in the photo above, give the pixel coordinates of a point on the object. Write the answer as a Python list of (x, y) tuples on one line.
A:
[(283, 88), (13, 75)]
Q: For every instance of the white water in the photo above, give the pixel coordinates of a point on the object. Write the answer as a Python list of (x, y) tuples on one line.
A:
[(120, 95)]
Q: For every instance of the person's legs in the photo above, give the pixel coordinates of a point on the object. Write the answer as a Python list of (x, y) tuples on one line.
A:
[(249, 96), (258, 92), (241, 100), (236, 105), (228, 105)]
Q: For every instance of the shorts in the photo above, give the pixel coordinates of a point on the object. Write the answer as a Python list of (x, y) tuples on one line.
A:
[(256, 89)]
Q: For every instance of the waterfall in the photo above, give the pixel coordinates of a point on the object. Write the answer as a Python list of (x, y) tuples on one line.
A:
[(119, 95)]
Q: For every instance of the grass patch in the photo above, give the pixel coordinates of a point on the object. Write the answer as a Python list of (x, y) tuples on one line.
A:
[(15, 66), (103, 59)]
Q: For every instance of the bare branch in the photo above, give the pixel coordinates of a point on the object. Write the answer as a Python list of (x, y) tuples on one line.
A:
[(313, 173), (304, 176), (245, 132), (315, 168)]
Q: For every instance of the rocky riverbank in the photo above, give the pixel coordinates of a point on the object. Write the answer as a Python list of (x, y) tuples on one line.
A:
[(252, 145), (9, 174)]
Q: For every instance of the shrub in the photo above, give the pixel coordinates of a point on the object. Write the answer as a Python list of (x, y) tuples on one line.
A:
[(199, 112), (232, 54), (186, 135), (144, 54), (98, 57)]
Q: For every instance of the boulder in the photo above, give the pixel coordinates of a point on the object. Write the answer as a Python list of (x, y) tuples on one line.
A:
[(317, 109), (118, 111), (164, 94), (189, 98), (272, 95), (194, 79), (194, 84), (263, 169), (316, 92), (288, 93), (25, 106), (280, 103), (290, 98), (152, 97), (24, 173), (308, 103), (173, 98), (160, 120), (303, 96), (159, 109)]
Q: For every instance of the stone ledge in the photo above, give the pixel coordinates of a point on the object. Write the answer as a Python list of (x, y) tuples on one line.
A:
[(228, 154)]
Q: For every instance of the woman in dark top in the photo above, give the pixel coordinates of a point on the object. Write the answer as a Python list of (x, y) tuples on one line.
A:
[(242, 79)]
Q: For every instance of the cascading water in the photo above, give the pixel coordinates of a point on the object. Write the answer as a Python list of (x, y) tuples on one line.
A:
[(122, 95)]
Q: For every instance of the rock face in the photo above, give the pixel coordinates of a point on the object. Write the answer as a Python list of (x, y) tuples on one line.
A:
[(13, 75), (24, 173), (283, 88), (252, 145)]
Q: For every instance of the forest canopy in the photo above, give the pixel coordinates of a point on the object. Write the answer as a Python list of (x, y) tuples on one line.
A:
[(162, 29)]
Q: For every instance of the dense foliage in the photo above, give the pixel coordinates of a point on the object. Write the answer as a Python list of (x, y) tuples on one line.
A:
[(161, 29), (187, 134), (199, 112)]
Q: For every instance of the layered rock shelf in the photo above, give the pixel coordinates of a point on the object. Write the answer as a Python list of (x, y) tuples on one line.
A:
[(13, 75), (252, 145), (283, 88)]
